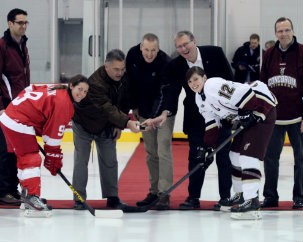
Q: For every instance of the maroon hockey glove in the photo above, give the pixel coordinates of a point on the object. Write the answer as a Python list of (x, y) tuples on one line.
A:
[(53, 159), (202, 156)]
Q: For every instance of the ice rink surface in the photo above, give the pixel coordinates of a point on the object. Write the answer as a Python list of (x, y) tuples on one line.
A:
[(152, 226)]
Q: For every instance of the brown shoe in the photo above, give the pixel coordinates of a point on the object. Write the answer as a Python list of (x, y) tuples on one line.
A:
[(9, 199), (163, 203)]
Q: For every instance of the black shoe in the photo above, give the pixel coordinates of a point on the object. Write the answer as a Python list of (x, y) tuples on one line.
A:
[(190, 203), (10, 199), (297, 204), (223, 202), (150, 198), (79, 205), (115, 203), (247, 206), (226, 203), (163, 203), (270, 203)]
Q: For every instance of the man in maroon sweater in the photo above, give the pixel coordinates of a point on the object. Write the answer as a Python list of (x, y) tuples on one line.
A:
[(282, 71), (14, 77)]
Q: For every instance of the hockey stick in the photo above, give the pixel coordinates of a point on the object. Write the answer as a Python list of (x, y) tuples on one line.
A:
[(97, 213), (187, 175)]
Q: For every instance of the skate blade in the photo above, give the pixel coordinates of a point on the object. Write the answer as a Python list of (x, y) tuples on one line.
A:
[(29, 213), (116, 213), (251, 215)]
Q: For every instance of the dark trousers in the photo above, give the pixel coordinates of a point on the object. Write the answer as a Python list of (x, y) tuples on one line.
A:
[(223, 162), (8, 169), (271, 161)]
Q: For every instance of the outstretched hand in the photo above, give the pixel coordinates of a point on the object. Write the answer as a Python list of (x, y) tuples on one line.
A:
[(134, 126), (153, 123)]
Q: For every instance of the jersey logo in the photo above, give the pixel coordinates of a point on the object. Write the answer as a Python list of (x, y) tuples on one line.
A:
[(282, 70)]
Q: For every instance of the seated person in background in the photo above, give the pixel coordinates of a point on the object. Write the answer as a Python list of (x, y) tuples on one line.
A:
[(254, 106), (246, 60)]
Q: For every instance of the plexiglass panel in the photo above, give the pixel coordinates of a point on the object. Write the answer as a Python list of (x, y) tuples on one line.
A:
[(162, 17), (82, 20)]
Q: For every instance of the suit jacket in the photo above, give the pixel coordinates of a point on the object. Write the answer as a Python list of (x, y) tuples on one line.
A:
[(243, 57), (215, 64)]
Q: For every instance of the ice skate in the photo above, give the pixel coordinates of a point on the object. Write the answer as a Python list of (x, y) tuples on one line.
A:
[(226, 204), (34, 206), (42, 200), (248, 210)]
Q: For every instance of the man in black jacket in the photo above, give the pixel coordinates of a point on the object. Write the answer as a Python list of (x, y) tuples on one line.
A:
[(145, 64), (213, 60), (246, 60)]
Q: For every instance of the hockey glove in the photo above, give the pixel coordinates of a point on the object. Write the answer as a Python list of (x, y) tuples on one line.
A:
[(202, 156), (248, 118), (53, 159)]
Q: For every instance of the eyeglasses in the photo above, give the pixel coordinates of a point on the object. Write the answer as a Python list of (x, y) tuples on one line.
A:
[(21, 23), (179, 47)]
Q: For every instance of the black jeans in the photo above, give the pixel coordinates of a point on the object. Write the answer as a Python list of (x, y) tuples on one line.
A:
[(271, 161), (195, 138), (8, 169)]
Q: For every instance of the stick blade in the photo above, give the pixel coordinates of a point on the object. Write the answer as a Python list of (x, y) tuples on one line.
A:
[(116, 213)]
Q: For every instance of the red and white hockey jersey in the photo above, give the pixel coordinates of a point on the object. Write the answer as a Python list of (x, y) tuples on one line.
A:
[(221, 99), (47, 111)]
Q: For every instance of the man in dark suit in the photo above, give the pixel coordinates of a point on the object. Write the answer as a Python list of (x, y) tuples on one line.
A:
[(213, 60)]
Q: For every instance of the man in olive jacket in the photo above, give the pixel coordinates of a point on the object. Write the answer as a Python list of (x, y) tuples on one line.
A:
[(100, 117)]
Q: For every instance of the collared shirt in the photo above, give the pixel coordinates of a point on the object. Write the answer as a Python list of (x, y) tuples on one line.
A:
[(198, 62)]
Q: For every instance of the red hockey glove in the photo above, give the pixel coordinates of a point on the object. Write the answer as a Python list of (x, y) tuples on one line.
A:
[(53, 159)]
